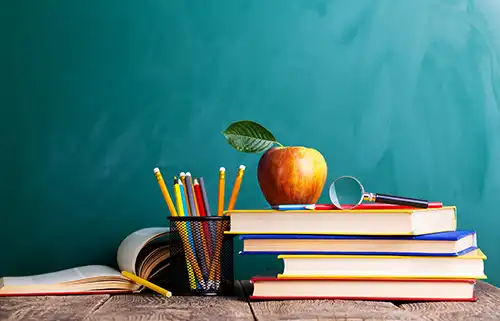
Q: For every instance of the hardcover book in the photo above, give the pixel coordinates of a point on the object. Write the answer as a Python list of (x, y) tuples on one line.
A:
[(271, 288), (453, 243), (344, 222), (467, 266)]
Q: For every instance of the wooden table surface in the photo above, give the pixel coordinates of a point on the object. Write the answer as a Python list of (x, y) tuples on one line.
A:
[(154, 307)]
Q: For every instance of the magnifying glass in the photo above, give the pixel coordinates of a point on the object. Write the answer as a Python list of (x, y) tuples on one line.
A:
[(346, 192)]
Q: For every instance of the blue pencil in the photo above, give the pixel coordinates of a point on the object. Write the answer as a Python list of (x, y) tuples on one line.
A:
[(291, 207), (183, 197)]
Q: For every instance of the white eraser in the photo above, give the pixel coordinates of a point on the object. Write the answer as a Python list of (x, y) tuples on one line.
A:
[(222, 169), (242, 167), (182, 174), (188, 174), (156, 170)]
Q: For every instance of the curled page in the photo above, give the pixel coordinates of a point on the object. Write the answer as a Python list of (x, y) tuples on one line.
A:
[(131, 246)]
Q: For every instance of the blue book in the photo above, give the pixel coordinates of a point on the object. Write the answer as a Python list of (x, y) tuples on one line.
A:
[(453, 243)]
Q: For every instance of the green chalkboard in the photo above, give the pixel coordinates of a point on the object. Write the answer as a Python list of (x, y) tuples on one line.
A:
[(94, 94)]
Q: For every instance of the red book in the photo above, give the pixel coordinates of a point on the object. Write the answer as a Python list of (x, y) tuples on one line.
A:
[(373, 289)]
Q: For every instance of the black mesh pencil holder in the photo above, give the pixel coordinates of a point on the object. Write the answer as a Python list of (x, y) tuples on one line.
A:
[(207, 267)]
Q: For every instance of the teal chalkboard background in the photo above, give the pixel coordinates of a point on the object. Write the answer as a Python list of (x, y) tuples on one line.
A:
[(95, 94)]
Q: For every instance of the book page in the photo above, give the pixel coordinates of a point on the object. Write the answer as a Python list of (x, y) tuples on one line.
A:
[(73, 274), (131, 246)]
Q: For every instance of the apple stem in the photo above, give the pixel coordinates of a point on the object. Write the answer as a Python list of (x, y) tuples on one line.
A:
[(279, 144)]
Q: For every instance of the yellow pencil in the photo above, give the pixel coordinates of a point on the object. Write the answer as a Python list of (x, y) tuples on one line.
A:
[(183, 180), (220, 210), (178, 197), (147, 284), (220, 204), (236, 188), (173, 212), (165, 192)]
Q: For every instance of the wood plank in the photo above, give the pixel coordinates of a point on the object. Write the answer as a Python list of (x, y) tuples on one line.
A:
[(139, 307), (48, 308), (329, 310), (487, 307), (341, 310)]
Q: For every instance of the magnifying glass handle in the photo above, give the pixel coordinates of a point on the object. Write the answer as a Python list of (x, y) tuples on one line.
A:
[(398, 200)]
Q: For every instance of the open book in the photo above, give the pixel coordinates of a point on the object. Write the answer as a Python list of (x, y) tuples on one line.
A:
[(143, 253)]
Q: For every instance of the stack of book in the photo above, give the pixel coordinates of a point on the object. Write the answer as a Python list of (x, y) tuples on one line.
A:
[(369, 253)]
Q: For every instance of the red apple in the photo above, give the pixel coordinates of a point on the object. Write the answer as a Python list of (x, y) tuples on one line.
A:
[(291, 175)]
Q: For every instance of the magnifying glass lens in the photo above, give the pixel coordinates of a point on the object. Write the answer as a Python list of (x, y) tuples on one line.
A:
[(346, 192)]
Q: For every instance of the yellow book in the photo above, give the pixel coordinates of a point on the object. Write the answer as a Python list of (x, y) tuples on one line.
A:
[(344, 222), (467, 266)]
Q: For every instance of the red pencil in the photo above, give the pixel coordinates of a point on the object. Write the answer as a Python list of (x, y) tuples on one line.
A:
[(199, 198), (201, 208), (371, 206)]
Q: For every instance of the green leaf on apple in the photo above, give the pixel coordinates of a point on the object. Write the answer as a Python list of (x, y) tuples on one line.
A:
[(249, 137)]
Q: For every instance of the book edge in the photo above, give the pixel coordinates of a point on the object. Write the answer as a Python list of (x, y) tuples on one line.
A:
[(422, 237), (416, 254), (255, 298)]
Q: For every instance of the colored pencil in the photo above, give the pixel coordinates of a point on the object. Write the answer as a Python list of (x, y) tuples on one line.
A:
[(184, 233), (164, 190), (184, 202), (178, 197), (204, 194), (191, 255), (206, 224), (201, 241), (199, 198), (190, 240), (147, 284), (212, 225), (190, 194), (187, 209), (199, 235), (220, 203), (195, 196), (218, 245), (169, 202), (236, 187)]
